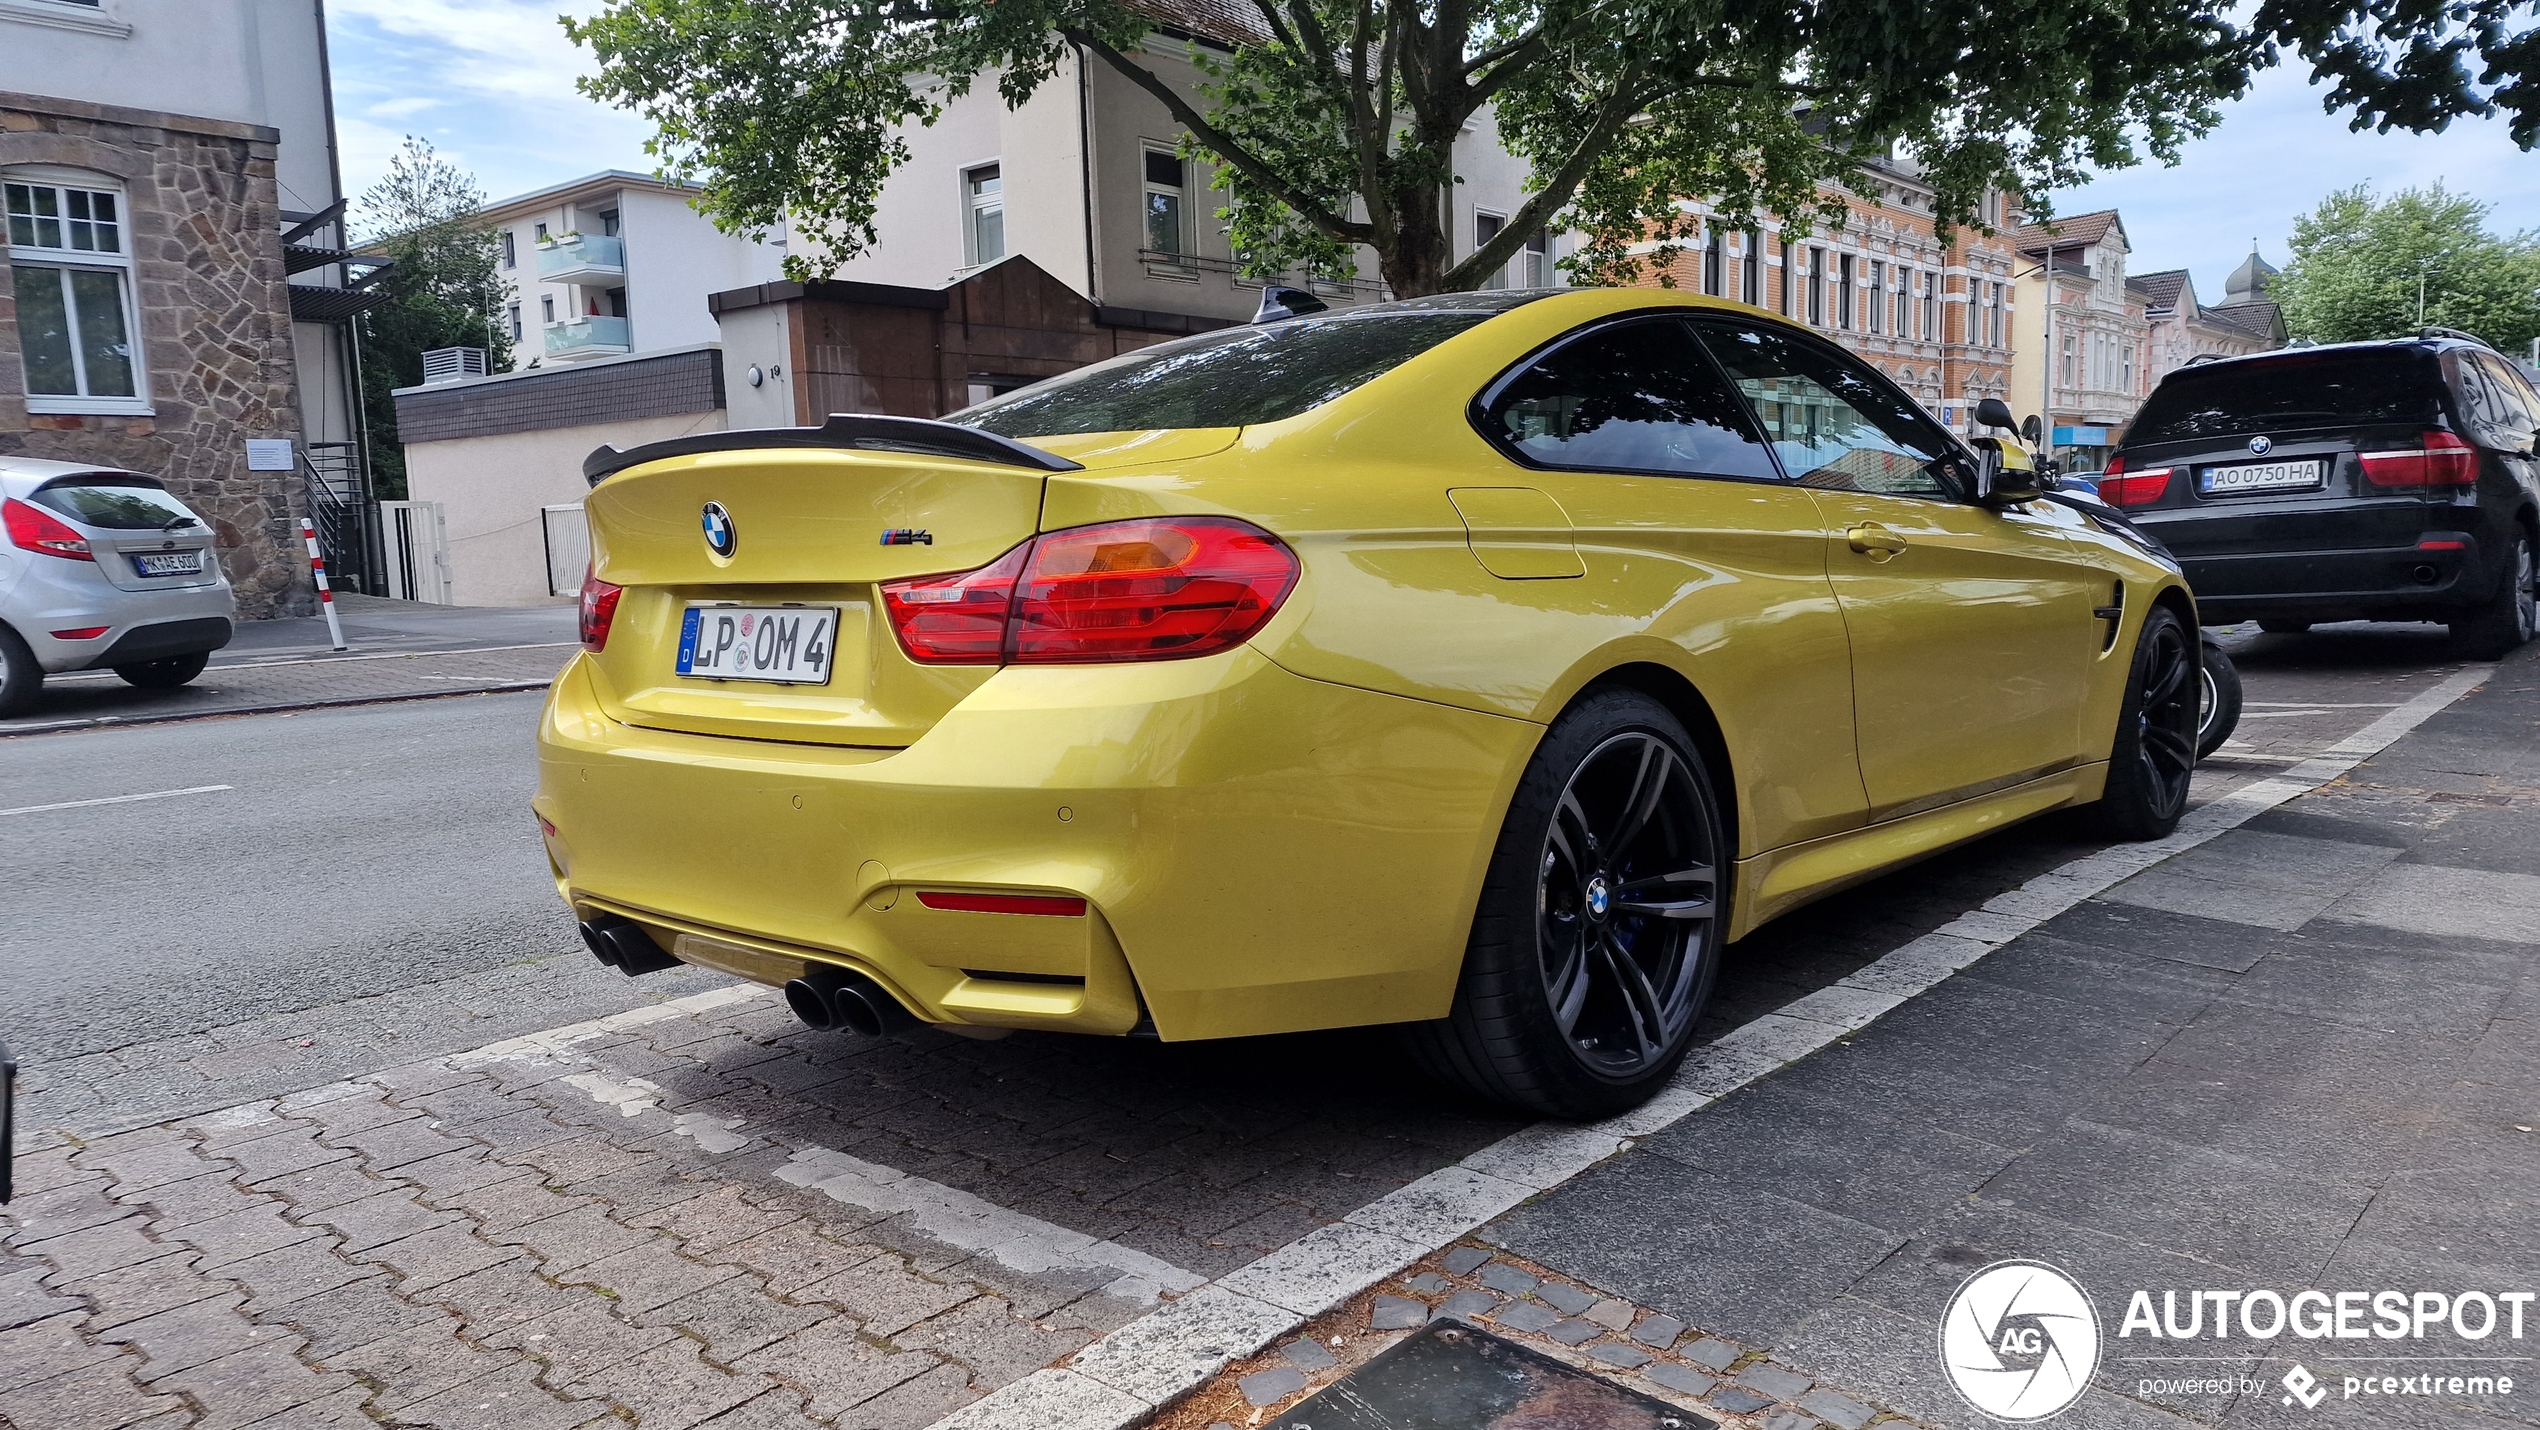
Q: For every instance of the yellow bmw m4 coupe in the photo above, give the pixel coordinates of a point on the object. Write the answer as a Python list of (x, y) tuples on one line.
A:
[(1482, 663)]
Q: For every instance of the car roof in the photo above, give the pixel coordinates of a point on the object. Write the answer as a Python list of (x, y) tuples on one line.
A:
[(2430, 341), (25, 474)]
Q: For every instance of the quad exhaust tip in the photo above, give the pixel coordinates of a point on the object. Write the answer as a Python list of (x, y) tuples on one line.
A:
[(835, 999), (622, 944)]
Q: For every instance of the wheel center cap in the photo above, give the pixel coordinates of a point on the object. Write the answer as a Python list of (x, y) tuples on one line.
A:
[(1599, 898)]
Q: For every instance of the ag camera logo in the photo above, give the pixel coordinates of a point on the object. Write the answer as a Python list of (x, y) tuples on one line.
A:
[(2019, 1341)]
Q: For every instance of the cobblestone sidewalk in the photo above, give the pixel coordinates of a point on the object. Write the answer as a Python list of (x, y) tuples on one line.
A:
[(87, 699)]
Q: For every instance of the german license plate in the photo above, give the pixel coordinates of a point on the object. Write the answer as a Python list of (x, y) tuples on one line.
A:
[(784, 645), (2247, 477), (170, 563)]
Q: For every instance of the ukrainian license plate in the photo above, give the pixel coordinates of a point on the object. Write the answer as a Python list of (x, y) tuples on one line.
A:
[(784, 645), (2246, 477), (170, 563)]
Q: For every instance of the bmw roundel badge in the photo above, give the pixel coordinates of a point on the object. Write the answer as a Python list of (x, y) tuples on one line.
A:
[(2261, 445), (721, 537)]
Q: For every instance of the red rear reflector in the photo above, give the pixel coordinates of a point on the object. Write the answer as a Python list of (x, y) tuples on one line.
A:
[(546, 826), (32, 528), (2438, 543), (84, 633), (2441, 460), (599, 609), (1046, 904), (1160, 588), (2118, 487)]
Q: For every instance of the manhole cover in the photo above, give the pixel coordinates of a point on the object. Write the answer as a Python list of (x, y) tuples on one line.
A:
[(1450, 1376)]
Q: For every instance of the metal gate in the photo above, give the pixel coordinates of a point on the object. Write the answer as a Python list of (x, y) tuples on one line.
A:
[(417, 551), (568, 548)]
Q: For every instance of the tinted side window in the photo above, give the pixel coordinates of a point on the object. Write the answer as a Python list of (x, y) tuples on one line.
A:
[(2491, 403), (1833, 424), (125, 504), (1637, 397), (2290, 392)]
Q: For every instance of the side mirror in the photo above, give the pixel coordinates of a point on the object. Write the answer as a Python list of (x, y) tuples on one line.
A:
[(1994, 412), (2032, 430), (1998, 484)]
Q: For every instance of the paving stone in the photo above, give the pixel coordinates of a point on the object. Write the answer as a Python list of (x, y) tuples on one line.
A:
[(1527, 1316), (1628, 1357), (1659, 1331), (381, 1217), (458, 1171), (61, 1211), (1838, 1410), (835, 1368), (443, 1253), (918, 1401), (353, 1314), (773, 1409), (1308, 1355), (1738, 1400), (1682, 1379), (1507, 1280), (189, 1335), (1787, 1419), (883, 1293), (672, 1387), (142, 1289), (138, 1161), (420, 1361), (1393, 1313), (1575, 1331), (241, 1234), (1269, 1387), (716, 1218), (1427, 1283), (1774, 1381), (502, 1210), (511, 1399), (329, 1185), (1612, 1314), (735, 1317), (581, 1338), (294, 1150), (1568, 1300), (98, 1249), (1466, 1304), (792, 1255), (505, 1295), (246, 1386), (24, 1299), (1712, 1352), (46, 1349), (1463, 1259), (98, 1397), (390, 1146)]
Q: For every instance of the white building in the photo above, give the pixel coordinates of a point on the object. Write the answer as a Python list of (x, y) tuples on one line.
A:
[(615, 263), (2086, 359), (2181, 329)]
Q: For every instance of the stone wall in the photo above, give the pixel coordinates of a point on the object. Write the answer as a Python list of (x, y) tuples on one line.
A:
[(215, 324)]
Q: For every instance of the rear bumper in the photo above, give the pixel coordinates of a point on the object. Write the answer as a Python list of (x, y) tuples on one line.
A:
[(1257, 852), (2386, 583), (139, 625)]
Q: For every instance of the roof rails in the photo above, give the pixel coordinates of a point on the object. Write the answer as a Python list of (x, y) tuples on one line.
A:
[(2456, 333), (2210, 357), (851, 431)]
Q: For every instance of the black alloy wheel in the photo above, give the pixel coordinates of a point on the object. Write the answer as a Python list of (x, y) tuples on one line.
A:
[(2154, 755), (1600, 924), (2505, 621), (20, 677), (2218, 710)]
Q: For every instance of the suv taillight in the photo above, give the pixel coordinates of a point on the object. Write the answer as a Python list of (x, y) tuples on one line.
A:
[(599, 609), (2438, 460), (2119, 487), (32, 528), (1159, 588)]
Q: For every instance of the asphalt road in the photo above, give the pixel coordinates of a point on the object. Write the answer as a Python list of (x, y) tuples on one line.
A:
[(355, 852)]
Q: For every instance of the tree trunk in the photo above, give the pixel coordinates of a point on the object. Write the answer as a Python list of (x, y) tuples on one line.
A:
[(1422, 250)]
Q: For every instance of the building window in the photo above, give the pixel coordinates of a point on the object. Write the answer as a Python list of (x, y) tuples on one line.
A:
[(1485, 228), (1817, 287), (1714, 258), (608, 224), (1931, 307), (511, 250), (547, 310), (1167, 203), (511, 320), (1536, 257), (72, 273), (1876, 310), (1904, 302), (542, 233), (1750, 267), (2064, 368), (1843, 298), (2001, 318), (1781, 282), (983, 189), (2127, 385)]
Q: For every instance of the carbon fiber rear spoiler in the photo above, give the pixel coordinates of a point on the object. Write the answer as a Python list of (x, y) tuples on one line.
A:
[(856, 431)]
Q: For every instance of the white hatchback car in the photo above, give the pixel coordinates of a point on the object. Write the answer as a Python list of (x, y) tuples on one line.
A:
[(102, 570)]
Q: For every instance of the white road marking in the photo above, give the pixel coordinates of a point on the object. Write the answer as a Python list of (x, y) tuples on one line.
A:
[(113, 799)]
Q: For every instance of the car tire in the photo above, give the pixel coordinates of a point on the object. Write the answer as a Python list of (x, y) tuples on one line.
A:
[(2500, 625), (165, 674), (2284, 628), (1601, 920), (21, 679), (2218, 711), (2154, 754)]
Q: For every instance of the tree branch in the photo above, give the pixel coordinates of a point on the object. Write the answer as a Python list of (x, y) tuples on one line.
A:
[(1278, 24), (1223, 144), (1564, 181)]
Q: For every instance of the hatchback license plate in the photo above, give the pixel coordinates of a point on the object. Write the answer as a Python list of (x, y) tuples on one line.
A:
[(170, 563), (783, 645), (2260, 477)]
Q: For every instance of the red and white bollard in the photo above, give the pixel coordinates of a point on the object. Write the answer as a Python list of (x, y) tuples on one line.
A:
[(326, 596)]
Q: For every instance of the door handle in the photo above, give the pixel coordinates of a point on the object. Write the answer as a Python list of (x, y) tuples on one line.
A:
[(1875, 541)]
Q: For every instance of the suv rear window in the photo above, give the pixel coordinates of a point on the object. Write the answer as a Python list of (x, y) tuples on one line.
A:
[(1234, 378), (2350, 388), (114, 502)]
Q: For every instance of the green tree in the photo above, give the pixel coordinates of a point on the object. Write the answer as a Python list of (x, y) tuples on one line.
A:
[(2357, 260), (1332, 121), (444, 290)]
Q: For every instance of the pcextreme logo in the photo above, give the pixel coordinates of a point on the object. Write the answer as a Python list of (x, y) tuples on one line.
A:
[(2019, 1340)]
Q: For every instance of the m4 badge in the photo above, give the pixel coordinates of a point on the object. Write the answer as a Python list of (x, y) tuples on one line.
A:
[(908, 536)]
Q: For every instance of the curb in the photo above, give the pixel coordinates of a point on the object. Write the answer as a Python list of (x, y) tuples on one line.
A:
[(112, 722), (1144, 1366)]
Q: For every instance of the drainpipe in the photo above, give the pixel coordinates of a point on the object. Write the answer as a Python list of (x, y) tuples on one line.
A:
[(1085, 157)]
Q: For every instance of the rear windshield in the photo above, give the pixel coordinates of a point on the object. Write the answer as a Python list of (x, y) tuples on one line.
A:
[(1233, 378), (2292, 391), (115, 503)]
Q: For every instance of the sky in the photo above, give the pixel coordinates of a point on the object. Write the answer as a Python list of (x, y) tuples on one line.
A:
[(490, 83)]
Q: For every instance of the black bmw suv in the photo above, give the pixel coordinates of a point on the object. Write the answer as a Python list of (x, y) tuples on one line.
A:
[(2387, 481)]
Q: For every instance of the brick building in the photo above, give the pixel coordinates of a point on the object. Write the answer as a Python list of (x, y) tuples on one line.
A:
[(1938, 318)]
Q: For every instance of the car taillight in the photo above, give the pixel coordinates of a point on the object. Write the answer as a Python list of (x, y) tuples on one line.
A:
[(1160, 588), (2119, 487), (32, 528), (958, 619), (2438, 460), (599, 608)]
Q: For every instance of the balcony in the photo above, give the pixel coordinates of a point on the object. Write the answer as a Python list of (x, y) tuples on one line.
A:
[(583, 258), (588, 337)]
